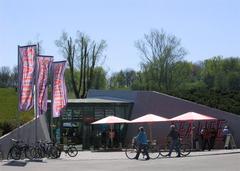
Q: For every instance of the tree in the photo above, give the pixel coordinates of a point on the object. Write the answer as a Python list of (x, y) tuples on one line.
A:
[(82, 56), (14, 77), (221, 74), (160, 52), (5, 77), (139, 82), (99, 80), (212, 72), (123, 79)]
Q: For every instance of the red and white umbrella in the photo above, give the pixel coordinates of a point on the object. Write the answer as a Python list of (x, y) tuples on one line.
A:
[(192, 116), (149, 118), (111, 120)]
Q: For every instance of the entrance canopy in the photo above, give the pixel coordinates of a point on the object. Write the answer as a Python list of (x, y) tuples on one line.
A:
[(111, 120), (149, 118), (192, 116)]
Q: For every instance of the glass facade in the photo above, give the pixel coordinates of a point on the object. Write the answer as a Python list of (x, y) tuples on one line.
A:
[(74, 125)]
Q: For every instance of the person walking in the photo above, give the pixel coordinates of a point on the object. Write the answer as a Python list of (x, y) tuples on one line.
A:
[(141, 139), (213, 135), (175, 141), (205, 139), (225, 132)]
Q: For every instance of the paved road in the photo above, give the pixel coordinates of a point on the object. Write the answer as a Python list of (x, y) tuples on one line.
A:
[(218, 160)]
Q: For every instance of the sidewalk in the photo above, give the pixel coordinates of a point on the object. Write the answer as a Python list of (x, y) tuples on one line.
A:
[(88, 155), (216, 160)]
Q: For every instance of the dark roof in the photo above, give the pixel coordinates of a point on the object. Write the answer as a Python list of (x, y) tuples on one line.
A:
[(98, 100)]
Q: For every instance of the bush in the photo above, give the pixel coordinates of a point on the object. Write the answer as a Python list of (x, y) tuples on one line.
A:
[(7, 127)]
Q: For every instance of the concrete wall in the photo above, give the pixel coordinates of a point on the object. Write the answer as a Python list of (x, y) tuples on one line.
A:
[(169, 106), (26, 133)]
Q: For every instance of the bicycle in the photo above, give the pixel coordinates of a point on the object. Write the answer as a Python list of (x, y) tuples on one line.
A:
[(44, 149), (185, 149), (18, 149), (71, 150), (131, 150)]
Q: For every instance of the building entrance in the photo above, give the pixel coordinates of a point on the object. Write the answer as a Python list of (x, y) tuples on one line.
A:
[(75, 123)]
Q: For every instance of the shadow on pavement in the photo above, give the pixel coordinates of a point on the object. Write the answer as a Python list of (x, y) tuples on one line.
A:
[(15, 163), (22, 163), (43, 160)]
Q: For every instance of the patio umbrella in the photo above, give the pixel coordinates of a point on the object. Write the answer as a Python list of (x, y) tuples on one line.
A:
[(111, 120), (149, 118), (192, 116)]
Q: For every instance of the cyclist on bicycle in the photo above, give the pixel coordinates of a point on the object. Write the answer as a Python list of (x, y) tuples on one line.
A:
[(175, 143), (141, 139)]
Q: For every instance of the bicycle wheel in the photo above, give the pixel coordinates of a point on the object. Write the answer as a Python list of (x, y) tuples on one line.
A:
[(164, 150), (72, 151), (131, 151), (185, 149), (28, 153), (53, 152), (36, 152), (153, 151), (15, 153)]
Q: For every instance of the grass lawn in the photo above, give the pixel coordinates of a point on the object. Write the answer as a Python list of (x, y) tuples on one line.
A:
[(8, 107)]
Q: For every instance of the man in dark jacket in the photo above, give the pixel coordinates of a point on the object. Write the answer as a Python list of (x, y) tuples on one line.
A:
[(141, 139), (175, 142), (205, 138)]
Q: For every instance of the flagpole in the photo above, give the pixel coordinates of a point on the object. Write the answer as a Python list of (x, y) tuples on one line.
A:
[(18, 111), (51, 117), (35, 95)]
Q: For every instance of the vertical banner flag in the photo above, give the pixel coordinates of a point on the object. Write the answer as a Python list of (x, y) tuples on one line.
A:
[(43, 65), (59, 93), (26, 64)]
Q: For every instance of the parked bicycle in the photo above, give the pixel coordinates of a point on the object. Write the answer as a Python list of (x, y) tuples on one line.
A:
[(70, 149), (44, 149), (19, 150)]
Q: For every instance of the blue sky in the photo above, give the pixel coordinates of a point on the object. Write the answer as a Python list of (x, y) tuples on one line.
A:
[(206, 27)]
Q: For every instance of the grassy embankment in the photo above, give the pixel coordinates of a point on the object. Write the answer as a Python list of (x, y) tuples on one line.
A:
[(8, 110)]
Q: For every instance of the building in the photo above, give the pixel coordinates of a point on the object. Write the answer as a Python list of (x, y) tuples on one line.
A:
[(74, 124)]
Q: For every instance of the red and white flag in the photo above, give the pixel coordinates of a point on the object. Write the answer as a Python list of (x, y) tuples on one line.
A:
[(43, 65), (59, 93), (26, 65)]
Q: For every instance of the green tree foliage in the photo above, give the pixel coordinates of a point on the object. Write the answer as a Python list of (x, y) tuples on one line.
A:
[(99, 80), (221, 74), (122, 80)]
